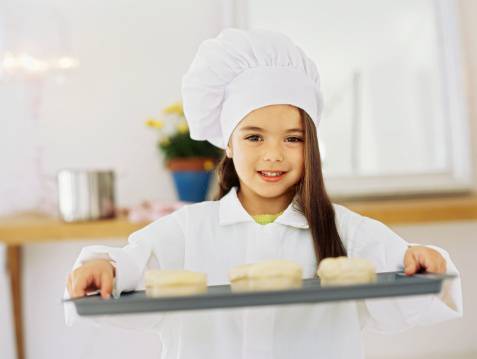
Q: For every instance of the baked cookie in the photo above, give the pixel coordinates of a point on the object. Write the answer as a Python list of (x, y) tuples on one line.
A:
[(266, 275), (346, 271), (161, 282)]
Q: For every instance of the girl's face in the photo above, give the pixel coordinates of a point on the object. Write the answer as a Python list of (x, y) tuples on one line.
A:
[(267, 150)]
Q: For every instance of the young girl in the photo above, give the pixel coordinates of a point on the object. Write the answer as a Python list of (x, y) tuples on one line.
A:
[(257, 95)]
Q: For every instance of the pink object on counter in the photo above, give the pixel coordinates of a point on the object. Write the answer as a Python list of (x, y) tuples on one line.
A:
[(149, 211)]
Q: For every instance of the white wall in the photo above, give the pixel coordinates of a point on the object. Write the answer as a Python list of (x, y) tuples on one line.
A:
[(7, 347), (468, 13), (132, 57)]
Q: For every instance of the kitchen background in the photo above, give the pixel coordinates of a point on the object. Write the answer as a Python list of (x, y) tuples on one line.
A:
[(132, 56)]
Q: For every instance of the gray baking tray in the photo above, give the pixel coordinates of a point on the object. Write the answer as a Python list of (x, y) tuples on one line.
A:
[(389, 284)]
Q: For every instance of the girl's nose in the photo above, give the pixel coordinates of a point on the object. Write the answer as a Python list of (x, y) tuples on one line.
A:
[(273, 155)]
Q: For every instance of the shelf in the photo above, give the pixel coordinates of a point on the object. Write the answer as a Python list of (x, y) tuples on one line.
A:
[(24, 228), (403, 211)]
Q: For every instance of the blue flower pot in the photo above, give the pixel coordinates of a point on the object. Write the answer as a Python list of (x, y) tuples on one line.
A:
[(192, 186)]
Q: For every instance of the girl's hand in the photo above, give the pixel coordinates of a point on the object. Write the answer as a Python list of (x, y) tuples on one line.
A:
[(419, 258), (91, 276)]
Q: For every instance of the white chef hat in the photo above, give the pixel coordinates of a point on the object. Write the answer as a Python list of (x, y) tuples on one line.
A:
[(240, 71)]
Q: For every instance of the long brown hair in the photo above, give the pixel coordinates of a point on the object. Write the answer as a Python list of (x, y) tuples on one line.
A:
[(311, 198)]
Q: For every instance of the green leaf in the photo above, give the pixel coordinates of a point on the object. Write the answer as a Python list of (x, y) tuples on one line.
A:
[(181, 145)]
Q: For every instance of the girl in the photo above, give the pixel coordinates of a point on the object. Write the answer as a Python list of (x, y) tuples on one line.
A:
[(257, 95)]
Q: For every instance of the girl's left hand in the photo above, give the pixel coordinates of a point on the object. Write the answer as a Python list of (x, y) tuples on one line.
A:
[(419, 258)]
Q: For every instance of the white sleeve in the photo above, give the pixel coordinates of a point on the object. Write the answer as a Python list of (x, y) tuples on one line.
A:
[(158, 245), (375, 241)]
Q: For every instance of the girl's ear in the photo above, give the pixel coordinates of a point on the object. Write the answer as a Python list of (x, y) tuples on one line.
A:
[(228, 151)]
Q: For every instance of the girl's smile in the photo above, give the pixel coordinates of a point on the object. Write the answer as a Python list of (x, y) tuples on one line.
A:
[(271, 176)]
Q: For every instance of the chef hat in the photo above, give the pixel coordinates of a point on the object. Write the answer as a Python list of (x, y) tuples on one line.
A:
[(240, 71)]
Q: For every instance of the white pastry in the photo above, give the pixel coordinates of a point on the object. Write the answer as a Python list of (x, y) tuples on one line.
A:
[(174, 282), (346, 271), (266, 275)]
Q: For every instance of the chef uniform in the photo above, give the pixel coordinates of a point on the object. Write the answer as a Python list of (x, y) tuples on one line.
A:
[(231, 75)]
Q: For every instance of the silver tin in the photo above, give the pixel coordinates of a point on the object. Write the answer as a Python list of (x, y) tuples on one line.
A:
[(85, 195)]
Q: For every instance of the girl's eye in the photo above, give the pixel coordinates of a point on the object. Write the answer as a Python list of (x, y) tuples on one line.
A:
[(295, 139), (253, 138), (256, 138)]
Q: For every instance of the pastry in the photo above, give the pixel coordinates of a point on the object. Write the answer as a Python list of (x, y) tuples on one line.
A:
[(346, 271), (266, 275), (174, 282)]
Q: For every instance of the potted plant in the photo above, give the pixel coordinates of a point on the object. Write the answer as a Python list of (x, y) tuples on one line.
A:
[(191, 162)]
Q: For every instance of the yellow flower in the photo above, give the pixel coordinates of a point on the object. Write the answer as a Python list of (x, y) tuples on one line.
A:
[(208, 165), (165, 141), (150, 122), (174, 108), (182, 127), (154, 123)]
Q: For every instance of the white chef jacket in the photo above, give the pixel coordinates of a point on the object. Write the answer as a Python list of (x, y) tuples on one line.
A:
[(214, 236)]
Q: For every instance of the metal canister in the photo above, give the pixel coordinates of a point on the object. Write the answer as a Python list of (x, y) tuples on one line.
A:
[(85, 195)]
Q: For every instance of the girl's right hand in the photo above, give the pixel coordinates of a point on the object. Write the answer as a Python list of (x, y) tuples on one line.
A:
[(93, 275)]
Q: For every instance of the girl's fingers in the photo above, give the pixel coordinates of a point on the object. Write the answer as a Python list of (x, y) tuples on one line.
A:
[(79, 285), (443, 267), (106, 285), (436, 264), (420, 260), (89, 277), (425, 259), (410, 264), (97, 280), (427, 264), (424, 262)]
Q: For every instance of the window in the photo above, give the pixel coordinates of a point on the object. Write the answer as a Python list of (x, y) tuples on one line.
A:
[(395, 118)]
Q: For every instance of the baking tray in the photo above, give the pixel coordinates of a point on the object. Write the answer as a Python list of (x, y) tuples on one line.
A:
[(389, 284)]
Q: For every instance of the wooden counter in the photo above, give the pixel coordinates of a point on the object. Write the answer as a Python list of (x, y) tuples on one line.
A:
[(404, 211), (25, 228), (32, 227)]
